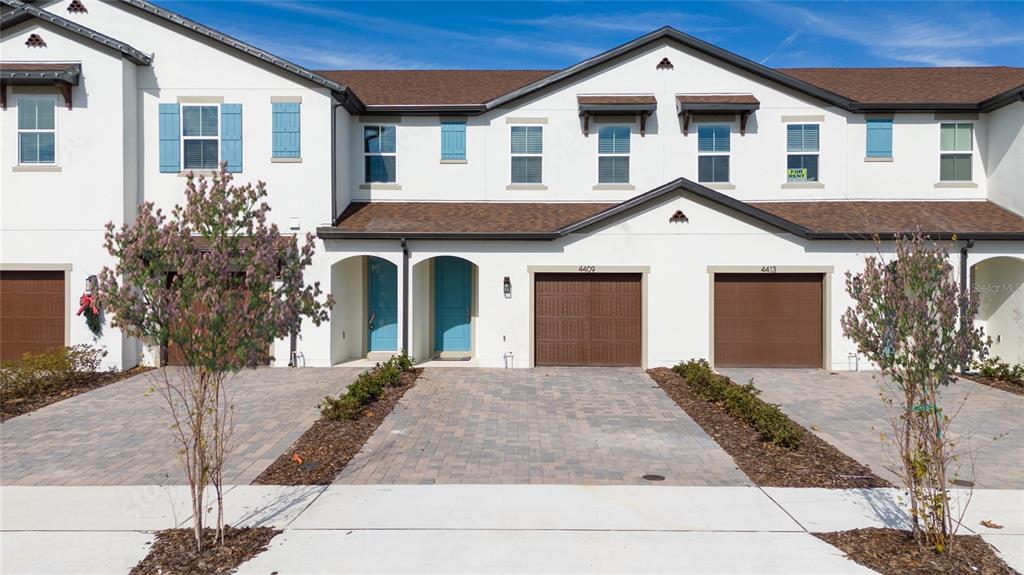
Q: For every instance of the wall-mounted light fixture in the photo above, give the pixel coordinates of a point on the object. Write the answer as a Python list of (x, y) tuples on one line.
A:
[(508, 287)]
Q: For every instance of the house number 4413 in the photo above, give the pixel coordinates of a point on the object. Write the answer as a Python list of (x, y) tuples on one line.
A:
[(768, 269)]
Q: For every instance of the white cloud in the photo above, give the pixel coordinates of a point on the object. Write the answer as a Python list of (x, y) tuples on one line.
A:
[(911, 36)]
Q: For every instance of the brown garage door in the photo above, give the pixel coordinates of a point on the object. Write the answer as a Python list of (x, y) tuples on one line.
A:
[(768, 320), (32, 309), (587, 319)]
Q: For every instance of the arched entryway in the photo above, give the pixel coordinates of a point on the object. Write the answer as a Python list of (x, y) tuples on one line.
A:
[(444, 292), (999, 282), (364, 319)]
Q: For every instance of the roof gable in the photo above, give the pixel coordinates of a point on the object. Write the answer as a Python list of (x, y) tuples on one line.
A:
[(22, 12)]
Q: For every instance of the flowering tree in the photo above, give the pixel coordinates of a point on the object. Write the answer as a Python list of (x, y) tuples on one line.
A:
[(906, 317), (220, 283)]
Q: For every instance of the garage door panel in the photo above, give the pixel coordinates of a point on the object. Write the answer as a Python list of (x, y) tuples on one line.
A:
[(32, 312), (768, 320), (596, 320)]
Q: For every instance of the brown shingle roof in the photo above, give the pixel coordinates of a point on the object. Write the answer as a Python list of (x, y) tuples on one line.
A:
[(717, 99), (431, 87), (614, 99), (961, 85), (887, 217), (462, 217)]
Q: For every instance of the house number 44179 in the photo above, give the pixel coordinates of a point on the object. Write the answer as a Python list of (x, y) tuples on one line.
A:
[(588, 269)]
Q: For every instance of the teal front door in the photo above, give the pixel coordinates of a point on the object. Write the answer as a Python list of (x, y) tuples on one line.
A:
[(382, 304), (452, 299)]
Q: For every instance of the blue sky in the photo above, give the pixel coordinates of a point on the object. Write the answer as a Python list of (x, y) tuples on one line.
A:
[(360, 35)]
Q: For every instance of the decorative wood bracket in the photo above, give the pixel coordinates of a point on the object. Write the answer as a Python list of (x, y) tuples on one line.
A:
[(686, 122), (743, 122), (3, 95), (643, 123), (65, 90), (586, 123)]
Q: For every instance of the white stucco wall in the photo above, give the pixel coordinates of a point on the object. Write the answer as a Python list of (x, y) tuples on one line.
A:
[(1000, 284), (1005, 161), (57, 217), (758, 159)]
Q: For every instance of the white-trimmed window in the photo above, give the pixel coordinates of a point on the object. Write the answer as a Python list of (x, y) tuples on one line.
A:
[(380, 154), (613, 154), (37, 130), (200, 136), (713, 152), (802, 150), (527, 154), (956, 147)]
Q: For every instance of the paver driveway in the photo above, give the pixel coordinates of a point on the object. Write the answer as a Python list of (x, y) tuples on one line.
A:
[(845, 409), (118, 435), (544, 425)]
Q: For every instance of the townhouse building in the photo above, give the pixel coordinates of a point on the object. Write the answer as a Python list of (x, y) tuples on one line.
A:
[(663, 200)]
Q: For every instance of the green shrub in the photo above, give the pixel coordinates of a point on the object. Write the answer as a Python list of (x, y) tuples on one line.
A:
[(368, 387), (43, 373), (994, 368), (741, 402)]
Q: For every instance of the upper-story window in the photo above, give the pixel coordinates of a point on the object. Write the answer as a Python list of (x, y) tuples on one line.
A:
[(713, 152), (379, 147), (37, 130), (802, 152), (879, 137), (527, 154), (956, 144), (613, 155), (200, 137), (453, 141)]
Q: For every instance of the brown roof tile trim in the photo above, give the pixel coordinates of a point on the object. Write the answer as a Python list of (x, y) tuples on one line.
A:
[(865, 217), (33, 67), (462, 217), (625, 99), (717, 99), (432, 87), (956, 85)]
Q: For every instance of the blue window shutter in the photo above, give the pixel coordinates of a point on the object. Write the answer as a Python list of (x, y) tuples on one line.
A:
[(453, 140), (286, 135), (879, 137), (170, 138), (231, 136)]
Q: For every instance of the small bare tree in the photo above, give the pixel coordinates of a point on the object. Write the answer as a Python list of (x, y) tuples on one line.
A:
[(910, 317), (219, 283)]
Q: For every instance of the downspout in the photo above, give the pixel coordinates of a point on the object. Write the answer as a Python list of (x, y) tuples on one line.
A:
[(963, 290), (405, 296), (334, 158)]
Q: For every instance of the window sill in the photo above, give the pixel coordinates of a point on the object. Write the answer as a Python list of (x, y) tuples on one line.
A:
[(463, 161), (380, 186), (803, 186), (197, 173), (718, 185), (285, 160), (36, 168), (956, 185), (878, 159), (526, 187), (614, 187)]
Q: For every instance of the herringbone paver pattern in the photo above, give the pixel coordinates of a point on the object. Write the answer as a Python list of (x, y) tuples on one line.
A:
[(119, 435), (845, 410), (544, 425)]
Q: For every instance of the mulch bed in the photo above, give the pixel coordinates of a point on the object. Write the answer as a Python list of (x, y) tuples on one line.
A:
[(1009, 386), (327, 447), (815, 463), (894, 552), (13, 407), (174, 552)]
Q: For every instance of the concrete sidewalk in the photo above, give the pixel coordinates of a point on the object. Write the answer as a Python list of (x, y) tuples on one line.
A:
[(480, 528)]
